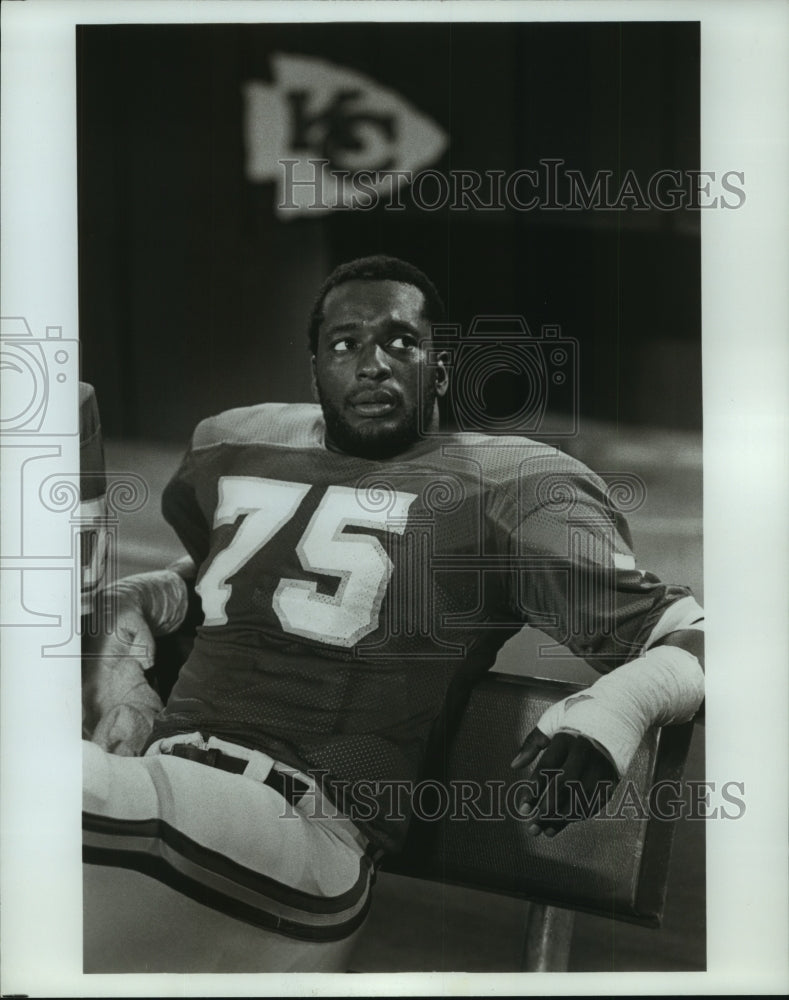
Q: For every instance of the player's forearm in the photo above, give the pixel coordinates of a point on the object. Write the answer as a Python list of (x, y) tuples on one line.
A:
[(662, 687), (690, 639)]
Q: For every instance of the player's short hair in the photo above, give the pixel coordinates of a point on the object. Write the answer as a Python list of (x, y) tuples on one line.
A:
[(376, 268)]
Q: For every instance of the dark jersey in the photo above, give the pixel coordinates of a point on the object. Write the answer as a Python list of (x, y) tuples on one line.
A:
[(348, 602)]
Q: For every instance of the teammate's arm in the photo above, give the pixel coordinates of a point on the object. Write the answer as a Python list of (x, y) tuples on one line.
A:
[(119, 705)]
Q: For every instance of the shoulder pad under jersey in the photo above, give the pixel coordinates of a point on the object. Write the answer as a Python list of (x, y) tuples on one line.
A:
[(292, 425)]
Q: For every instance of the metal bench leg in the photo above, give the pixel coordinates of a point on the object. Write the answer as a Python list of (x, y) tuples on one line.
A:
[(546, 947)]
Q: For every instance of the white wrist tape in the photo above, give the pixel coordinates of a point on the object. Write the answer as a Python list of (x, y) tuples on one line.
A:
[(664, 686), (161, 596)]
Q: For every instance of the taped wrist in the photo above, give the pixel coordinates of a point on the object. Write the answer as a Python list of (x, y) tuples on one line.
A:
[(664, 686), (161, 596)]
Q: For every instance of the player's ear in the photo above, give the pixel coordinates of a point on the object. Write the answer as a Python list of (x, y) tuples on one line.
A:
[(314, 380), (442, 372)]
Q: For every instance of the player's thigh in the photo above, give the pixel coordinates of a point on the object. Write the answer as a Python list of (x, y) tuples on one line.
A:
[(219, 847), (137, 804)]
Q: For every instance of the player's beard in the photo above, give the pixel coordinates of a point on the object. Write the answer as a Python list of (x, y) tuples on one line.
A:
[(373, 439)]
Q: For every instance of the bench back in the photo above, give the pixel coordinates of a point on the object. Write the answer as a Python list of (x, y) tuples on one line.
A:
[(614, 865)]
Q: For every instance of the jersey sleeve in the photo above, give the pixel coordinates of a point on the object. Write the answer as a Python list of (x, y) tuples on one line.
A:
[(573, 574)]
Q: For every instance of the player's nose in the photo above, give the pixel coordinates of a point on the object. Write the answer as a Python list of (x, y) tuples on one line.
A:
[(373, 363)]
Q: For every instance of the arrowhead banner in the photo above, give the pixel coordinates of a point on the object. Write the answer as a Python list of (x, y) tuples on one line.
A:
[(318, 125)]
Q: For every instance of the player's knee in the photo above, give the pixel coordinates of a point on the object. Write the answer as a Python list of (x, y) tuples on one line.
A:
[(116, 786), (95, 777)]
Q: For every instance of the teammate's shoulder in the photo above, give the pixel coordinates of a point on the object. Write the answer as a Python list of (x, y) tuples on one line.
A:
[(292, 425)]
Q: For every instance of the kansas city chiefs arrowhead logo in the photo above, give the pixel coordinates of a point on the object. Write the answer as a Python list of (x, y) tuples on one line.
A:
[(327, 123)]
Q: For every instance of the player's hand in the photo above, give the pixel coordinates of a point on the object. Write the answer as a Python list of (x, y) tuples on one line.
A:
[(572, 781), (118, 704)]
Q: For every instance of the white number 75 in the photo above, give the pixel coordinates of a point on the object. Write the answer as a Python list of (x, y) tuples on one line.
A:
[(359, 560)]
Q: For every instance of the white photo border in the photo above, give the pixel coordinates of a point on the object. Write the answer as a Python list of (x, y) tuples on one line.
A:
[(745, 261)]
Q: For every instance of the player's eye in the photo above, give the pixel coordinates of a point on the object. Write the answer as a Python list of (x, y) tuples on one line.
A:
[(342, 345), (403, 342)]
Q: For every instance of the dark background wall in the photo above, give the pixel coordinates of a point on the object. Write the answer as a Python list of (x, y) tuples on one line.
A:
[(194, 295)]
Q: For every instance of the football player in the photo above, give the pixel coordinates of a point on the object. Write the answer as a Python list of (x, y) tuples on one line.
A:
[(357, 570)]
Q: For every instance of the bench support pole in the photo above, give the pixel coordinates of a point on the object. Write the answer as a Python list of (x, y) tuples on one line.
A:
[(546, 947)]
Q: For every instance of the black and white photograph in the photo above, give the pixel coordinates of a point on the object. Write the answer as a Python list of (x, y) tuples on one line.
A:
[(375, 463)]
